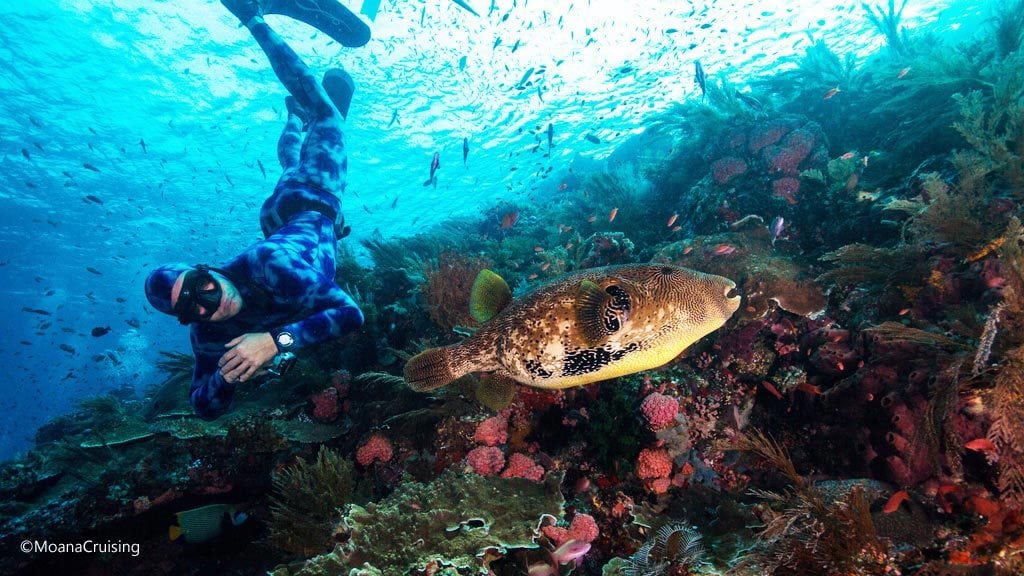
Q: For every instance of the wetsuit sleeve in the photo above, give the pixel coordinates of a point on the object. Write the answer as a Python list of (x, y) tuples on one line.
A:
[(291, 279), (210, 394), (337, 314)]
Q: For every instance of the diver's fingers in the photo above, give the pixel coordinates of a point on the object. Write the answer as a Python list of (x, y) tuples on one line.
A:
[(227, 357), (231, 364)]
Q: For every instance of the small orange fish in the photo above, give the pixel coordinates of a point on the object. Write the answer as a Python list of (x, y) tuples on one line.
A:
[(904, 311), (538, 249), (563, 186), (981, 445), (893, 504), (509, 219), (809, 388), (677, 228), (532, 276), (568, 245), (771, 389), (545, 266), (611, 215), (592, 219), (903, 73), (672, 220), (847, 156), (831, 93), (852, 181), (687, 250), (723, 250)]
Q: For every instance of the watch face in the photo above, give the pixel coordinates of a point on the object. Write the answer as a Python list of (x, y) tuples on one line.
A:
[(285, 339)]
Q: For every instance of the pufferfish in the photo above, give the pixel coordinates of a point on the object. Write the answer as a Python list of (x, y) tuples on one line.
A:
[(581, 328)]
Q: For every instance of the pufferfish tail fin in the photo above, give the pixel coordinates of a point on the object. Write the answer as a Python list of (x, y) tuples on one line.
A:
[(430, 370)]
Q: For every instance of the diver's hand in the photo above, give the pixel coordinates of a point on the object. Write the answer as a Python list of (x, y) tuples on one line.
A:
[(247, 355)]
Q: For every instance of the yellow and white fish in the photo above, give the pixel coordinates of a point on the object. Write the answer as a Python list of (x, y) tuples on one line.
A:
[(583, 327)]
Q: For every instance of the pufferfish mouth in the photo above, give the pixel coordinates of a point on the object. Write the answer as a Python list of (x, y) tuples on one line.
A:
[(732, 292), (733, 297)]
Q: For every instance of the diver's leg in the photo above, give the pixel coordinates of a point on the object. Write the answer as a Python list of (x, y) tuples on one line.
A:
[(289, 144), (322, 160), (290, 69)]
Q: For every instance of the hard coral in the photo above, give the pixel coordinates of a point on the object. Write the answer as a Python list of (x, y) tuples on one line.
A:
[(452, 519)]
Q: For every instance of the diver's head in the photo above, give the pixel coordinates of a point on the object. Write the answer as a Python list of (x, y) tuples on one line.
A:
[(192, 293)]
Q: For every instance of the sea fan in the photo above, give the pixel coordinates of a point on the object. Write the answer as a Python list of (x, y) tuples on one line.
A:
[(673, 546)]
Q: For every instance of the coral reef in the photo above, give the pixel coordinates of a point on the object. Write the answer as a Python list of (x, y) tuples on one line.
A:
[(747, 256), (449, 522), (867, 206), (307, 501)]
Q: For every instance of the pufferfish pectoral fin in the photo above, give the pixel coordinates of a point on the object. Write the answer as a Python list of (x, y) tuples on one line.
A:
[(600, 313), (489, 295), (496, 390)]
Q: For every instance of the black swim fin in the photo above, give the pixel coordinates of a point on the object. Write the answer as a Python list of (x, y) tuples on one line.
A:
[(328, 16), (339, 87)]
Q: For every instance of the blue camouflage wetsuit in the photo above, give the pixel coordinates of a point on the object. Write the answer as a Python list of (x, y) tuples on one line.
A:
[(286, 280)]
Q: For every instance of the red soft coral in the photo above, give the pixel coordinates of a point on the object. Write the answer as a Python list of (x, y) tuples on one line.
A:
[(653, 463), (376, 448), (786, 188), (325, 405), (727, 168), (583, 528)]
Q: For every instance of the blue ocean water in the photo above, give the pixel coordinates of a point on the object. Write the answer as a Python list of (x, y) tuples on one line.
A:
[(86, 208)]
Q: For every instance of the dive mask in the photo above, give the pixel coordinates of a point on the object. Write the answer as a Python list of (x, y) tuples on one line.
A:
[(199, 297)]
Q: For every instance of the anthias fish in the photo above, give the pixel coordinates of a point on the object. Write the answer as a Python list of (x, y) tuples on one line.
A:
[(584, 327), (699, 78)]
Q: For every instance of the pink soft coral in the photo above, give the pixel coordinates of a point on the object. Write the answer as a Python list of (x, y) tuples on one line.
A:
[(583, 528), (486, 460), (492, 431), (377, 447), (659, 410), (522, 466)]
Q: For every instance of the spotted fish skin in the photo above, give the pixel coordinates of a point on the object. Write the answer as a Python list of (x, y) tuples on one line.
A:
[(587, 326)]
